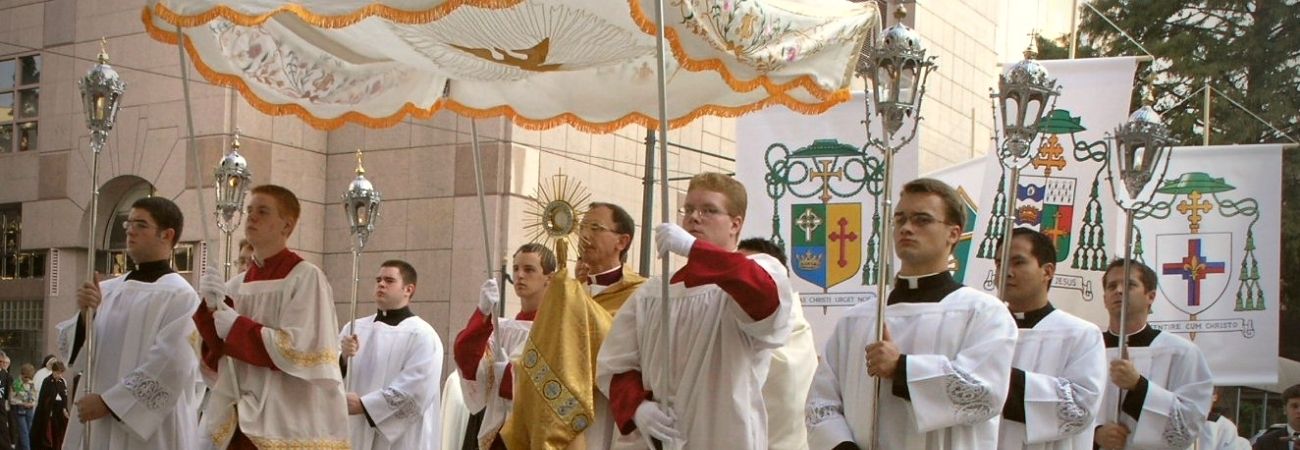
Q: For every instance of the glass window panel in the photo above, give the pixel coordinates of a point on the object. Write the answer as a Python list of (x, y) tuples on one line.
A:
[(29, 103), (7, 69), (6, 106), (27, 133), (30, 67), (6, 138)]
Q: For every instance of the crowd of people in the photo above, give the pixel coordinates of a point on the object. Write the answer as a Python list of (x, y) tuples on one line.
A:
[(607, 359)]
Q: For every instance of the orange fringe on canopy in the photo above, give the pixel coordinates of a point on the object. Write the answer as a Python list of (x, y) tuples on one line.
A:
[(807, 82), (324, 21), (414, 111)]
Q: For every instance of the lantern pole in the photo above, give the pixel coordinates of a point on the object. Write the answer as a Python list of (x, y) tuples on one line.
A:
[(1026, 83), (895, 70), (101, 93), (1136, 161), (361, 202)]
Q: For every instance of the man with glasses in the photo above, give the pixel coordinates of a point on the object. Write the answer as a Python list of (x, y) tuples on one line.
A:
[(571, 324), (606, 232), (143, 394), (276, 322), (728, 312), (945, 361)]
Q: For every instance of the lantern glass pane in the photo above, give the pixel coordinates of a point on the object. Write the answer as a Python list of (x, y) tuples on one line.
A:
[(883, 83), (1010, 108), (363, 215), (1033, 111), (907, 86)]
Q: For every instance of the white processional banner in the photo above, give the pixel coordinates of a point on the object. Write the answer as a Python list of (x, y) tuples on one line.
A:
[(1212, 235), (1063, 192), (968, 179), (814, 191)]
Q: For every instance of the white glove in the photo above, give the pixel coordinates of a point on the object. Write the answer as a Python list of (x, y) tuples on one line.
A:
[(488, 297), (656, 422), (224, 319), (670, 237), (212, 287)]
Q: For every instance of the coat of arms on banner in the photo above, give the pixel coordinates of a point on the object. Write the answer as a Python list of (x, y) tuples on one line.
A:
[(825, 240), (1204, 251), (1053, 199), (826, 234)]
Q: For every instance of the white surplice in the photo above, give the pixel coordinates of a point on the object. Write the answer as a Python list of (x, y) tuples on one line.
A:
[(958, 362), (1064, 362), (300, 405), (396, 373), (719, 359), (1178, 394), (145, 365), (788, 378), (483, 393), (1221, 434)]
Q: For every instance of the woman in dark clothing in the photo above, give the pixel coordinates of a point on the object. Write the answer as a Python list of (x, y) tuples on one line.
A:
[(51, 411)]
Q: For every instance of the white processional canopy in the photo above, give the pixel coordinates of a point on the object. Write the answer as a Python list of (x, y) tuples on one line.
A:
[(542, 63)]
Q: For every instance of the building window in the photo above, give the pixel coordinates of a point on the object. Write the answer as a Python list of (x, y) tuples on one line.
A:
[(20, 95), (15, 263), (20, 330)]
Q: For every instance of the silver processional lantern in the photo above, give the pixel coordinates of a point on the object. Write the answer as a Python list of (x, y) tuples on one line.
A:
[(233, 179), (1136, 160), (1026, 93), (362, 204), (101, 95), (895, 70), (361, 201)]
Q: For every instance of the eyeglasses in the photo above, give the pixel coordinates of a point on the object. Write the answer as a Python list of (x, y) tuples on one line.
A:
[(705, 212), (921, 220), (139, 225)]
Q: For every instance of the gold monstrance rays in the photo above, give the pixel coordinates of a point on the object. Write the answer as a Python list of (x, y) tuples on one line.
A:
[(555, 215)]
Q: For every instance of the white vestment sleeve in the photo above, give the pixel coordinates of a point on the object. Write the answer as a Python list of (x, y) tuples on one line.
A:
[(824, 414), (1059, 407), (148, 394), (972, 387), (773, 331), (1173, 419), (400, 406), (621, 351)]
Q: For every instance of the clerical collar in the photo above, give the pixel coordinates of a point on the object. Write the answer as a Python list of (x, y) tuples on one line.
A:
[(1142, 338), (276, 267), (150, 272), (930, 288), (526, 315), (393, 317), (1214, 416), (1029, 319), (607, 278)]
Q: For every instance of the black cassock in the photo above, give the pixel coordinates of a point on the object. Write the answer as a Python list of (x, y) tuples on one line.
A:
[(51, 415)]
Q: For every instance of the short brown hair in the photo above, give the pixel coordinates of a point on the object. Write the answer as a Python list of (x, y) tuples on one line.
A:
[(58, 366), (734, 191), (284, 198), (1290, 393), (543, 253), (404, 269), (1144, 273), (951, 201)]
